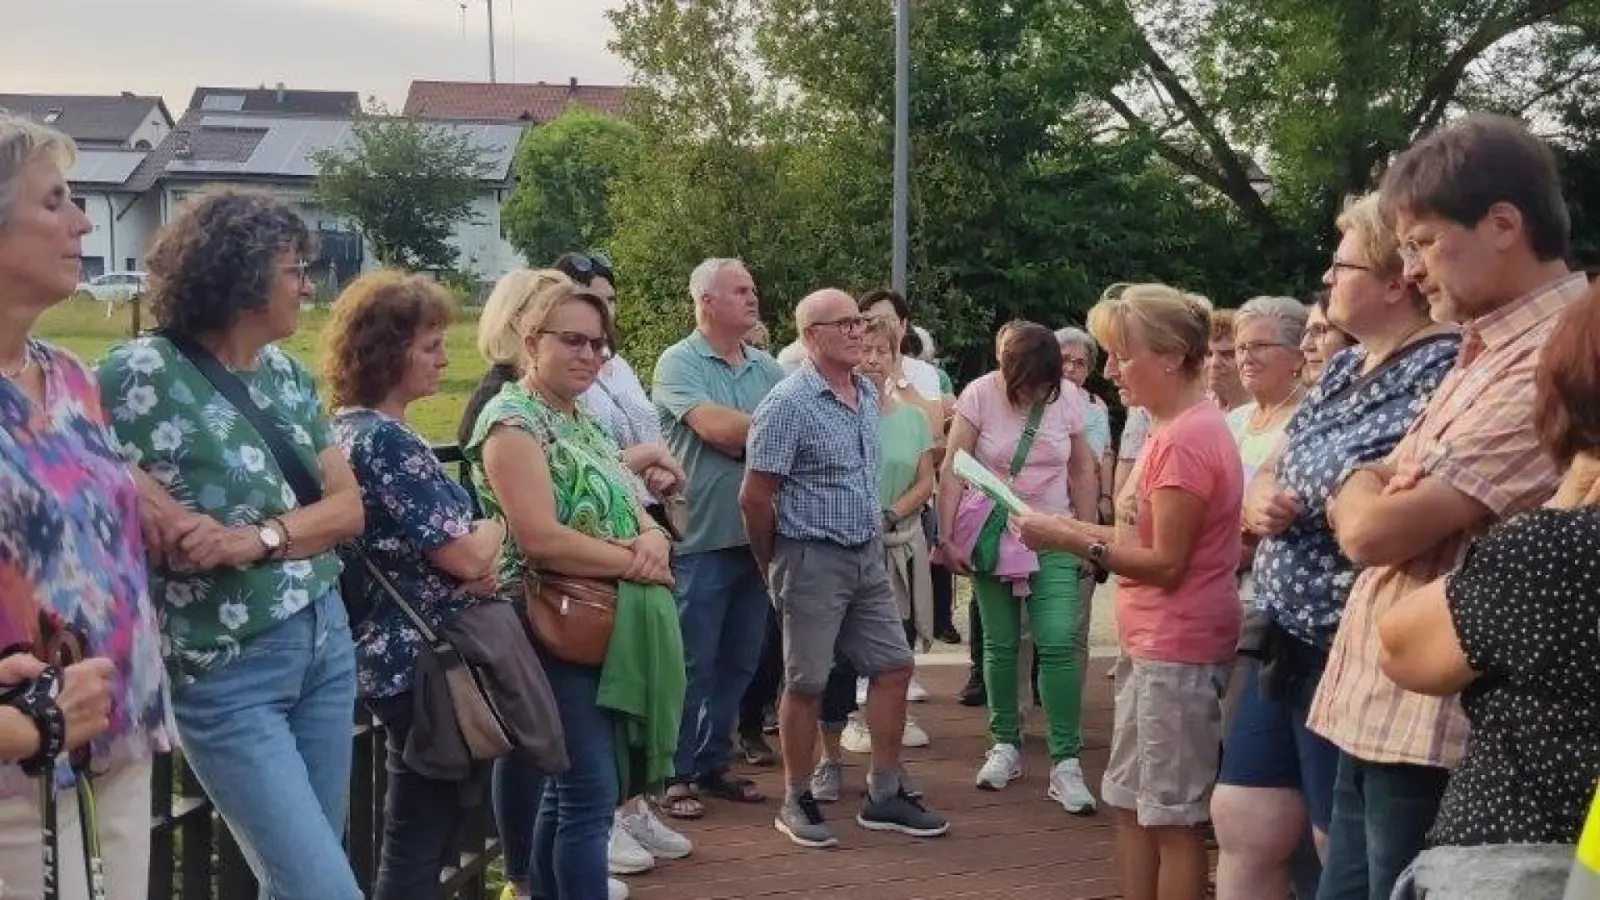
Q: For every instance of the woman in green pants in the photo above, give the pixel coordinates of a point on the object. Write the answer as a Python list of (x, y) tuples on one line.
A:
[(1026, 426)]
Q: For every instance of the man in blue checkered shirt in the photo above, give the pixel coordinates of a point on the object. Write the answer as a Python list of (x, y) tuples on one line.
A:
[(810, 504)]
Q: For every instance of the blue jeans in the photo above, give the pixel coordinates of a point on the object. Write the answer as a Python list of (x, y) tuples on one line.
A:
[(420, 815), (268, 735), (723, 608), (573, 830), (518, 789), (1381, 816)]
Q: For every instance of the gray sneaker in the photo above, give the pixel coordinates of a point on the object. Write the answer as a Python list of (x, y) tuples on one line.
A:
[(800, 819), (903, 814), (827, 780)]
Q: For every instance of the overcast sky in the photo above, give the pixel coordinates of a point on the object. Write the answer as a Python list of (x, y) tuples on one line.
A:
[(374, 47)]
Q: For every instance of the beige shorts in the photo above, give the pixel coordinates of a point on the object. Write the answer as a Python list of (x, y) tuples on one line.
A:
[(1166, 743)]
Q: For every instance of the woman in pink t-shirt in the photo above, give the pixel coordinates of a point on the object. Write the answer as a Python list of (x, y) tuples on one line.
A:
[(1056, 474), (1174, 548)]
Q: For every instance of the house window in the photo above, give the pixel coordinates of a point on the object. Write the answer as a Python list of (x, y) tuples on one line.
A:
[(93, 267)]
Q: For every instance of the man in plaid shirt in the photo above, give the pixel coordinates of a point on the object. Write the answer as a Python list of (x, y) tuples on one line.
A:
[(1484, 235)]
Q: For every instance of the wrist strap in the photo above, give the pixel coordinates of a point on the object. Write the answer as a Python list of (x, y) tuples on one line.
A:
[(38, 702)]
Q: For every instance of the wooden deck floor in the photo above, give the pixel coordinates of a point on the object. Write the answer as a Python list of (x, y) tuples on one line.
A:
[(1012, 844)]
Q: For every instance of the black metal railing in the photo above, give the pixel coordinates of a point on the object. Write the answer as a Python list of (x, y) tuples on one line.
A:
[(193, 855)]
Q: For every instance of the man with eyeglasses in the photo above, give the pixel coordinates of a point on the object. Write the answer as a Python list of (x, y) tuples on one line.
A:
[(1484, 235), (810, 505), (706, 387)]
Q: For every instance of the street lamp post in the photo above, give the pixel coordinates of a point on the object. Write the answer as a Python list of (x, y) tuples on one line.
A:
[(902, 142)]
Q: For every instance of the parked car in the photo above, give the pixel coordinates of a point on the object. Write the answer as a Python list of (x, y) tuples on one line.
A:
[(113, 288)]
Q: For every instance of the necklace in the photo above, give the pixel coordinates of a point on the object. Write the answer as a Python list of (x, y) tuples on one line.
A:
[(1259, 423), (21, 369)]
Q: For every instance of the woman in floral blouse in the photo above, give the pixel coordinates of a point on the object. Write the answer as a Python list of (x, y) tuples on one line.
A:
[(70, 543), (1275, 772), (384, 348), (560, 484), (256, 636)]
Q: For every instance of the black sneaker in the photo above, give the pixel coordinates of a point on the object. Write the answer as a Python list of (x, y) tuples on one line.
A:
[(756, 750), (903, 814), (948, 634), (769, 722), (800, 820), (974, 693)]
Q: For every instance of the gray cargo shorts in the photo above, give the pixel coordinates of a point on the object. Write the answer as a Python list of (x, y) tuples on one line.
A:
[(835, 602)]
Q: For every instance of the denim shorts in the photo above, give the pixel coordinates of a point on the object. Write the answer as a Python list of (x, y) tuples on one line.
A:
[(1269, 746)]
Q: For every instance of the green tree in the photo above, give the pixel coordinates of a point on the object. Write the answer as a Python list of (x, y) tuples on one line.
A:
[(564, 175), (405, 184)]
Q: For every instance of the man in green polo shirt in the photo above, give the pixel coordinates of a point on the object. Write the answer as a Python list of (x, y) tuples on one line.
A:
[(706, 386)]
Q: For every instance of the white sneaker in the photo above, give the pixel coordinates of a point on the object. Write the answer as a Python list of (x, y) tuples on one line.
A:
[(916, 693), (856, 738), (616, 890), (1067, 788), (861, 691), (654, 836), (1001, 766), (913, 735), (624, 856)]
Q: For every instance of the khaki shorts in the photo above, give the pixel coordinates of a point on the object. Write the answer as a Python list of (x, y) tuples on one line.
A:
[(1166, 743)]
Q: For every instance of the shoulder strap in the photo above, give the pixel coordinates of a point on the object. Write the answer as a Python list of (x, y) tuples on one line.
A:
[(388, 586), (306, 488), (1025, 442)]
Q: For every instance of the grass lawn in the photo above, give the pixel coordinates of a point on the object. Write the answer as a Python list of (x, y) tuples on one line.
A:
[(82, 327)]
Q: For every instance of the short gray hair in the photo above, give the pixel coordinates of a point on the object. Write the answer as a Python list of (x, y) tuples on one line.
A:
[(1287, 313), (22, 140), (1077, 337), (704, 276)]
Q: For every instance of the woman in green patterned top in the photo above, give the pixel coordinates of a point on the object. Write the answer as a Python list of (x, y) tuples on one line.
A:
[(559, 482), (254, 630)]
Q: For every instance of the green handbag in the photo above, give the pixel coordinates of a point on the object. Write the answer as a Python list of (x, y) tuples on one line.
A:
[(986, 551)]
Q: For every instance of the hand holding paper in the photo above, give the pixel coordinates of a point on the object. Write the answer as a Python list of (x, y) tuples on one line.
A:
[(973, 472)]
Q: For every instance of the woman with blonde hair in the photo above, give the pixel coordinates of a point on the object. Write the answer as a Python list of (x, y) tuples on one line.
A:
[(1174, 550), (71, 554), (559, 481)]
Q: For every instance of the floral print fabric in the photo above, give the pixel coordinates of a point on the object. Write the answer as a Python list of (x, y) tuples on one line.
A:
[(70, 545), (171, 422), (412, 508), (1301, 577)]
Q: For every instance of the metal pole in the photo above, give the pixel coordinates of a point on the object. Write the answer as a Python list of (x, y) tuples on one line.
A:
[(902, 141), (490, 4)]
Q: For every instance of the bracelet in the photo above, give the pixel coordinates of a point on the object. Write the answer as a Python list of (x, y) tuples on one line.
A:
[(38, 702), (288, 540)]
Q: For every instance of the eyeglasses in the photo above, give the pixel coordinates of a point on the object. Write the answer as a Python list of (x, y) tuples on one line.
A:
[(1256, 348), (301, 270), (847, 325), (1412, 249), (592, 264), (1354, 267), (1074, 362), (577, 340)]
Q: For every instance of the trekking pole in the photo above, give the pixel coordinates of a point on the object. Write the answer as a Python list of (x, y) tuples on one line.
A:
[(65, 648)]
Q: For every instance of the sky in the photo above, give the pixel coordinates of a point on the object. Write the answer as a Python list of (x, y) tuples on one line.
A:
[(373, 47)]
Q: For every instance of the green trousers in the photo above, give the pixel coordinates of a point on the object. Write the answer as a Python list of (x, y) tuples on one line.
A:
[(1053, 621)]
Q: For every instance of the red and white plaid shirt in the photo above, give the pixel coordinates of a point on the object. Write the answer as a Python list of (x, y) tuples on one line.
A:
[(1476, 434)]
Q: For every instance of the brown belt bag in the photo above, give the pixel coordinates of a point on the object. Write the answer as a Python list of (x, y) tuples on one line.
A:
[(571, 617)]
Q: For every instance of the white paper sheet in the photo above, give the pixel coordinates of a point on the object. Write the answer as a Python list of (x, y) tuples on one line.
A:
[(974, 473)]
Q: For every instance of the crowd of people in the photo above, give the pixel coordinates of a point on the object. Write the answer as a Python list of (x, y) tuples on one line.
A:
[(1354, 545)]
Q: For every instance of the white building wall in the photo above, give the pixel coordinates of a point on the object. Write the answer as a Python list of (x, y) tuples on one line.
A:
[(152, 130), (123, 227)]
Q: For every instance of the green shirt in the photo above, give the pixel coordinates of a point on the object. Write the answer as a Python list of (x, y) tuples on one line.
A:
[(690, 374), (946, 386), (903, 437), (172, 423), (592, 491)]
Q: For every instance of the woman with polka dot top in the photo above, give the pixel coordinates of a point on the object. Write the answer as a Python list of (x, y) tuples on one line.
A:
[(1516, 630)]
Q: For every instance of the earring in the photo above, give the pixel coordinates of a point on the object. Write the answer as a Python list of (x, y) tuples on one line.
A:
[(1171, 369)]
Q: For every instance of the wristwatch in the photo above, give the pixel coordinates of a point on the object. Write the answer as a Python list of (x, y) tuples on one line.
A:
[(270, 533), (1098, 551)]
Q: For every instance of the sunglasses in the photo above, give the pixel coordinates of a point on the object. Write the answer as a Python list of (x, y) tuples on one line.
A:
[(592, 264), (577, 340)]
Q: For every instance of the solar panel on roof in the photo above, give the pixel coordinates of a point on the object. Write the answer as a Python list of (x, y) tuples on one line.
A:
[(223, 102)]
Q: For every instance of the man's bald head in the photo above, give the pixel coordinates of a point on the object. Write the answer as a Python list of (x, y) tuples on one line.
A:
[(823, 306)]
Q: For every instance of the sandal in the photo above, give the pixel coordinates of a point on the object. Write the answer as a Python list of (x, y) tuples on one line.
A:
[(724, 785), (679, 801)]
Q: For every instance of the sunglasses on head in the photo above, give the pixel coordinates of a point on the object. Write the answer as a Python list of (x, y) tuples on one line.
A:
[(591, 264)]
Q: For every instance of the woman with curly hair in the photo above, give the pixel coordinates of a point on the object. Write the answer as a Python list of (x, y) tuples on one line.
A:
[(257, 640), (384, 349)]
